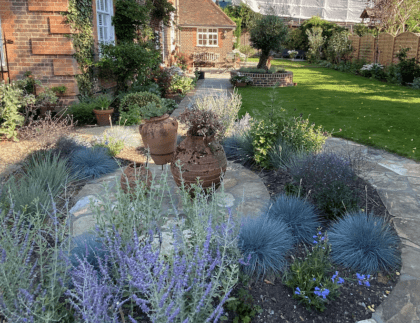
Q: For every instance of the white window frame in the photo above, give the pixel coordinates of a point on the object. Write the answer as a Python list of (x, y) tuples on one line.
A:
[(206, 34), (2, 50), (104, 14)]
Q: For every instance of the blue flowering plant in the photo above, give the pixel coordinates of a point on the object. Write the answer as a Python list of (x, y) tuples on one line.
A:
[(310, 277)]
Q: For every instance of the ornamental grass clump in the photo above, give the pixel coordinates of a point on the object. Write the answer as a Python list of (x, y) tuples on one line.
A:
[(265, 242), (365, 243), (92, 162), (331, 181), (298, 214), (309, 276), (283, 154)]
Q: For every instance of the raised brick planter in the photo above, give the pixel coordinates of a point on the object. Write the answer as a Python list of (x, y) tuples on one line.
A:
[(268, 80)]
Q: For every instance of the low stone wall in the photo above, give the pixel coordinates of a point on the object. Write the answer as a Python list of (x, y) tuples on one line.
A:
[(268, 80)]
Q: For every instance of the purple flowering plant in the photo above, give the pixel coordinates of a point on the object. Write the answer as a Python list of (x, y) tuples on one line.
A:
[(310, 278)]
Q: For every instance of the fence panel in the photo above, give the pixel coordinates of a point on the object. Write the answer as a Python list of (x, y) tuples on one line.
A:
[(407, 40), (367, 48), (385, 48), (355, 41)]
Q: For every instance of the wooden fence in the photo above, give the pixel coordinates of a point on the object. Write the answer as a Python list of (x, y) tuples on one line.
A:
[(383, 49)]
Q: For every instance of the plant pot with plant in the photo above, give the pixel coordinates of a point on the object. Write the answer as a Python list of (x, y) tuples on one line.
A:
[(158, 132), (239, 80), (101, 110), (46, 101), (200, 155)]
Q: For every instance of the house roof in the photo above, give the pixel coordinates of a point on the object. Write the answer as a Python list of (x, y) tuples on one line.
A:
[(204, 13)]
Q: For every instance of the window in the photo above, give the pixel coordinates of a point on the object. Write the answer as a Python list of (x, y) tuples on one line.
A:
[(207, 37), (104, 12)]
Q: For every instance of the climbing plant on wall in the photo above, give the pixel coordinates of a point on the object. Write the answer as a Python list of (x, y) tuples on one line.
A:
[(80, 19)]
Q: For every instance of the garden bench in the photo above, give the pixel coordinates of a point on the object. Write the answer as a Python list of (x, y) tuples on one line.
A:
[(206, 57)]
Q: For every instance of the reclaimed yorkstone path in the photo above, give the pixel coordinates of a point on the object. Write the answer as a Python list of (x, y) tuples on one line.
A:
[(396, 179)]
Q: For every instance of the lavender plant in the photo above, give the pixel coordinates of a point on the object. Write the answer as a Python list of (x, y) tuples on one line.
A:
[(365, 243), (32, 270), (331, 181)]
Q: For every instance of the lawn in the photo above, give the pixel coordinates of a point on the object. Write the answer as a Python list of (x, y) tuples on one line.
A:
[(368, 111)]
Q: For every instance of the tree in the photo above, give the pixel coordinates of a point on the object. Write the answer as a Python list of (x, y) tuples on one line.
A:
[(397, 16), (316, 41), (268, 34)]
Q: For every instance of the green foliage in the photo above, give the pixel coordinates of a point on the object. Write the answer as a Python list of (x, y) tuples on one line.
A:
[(268, 33), (361, 30), (339, 47), (416, 83), (128, 61), (304, 136), (181, 84), (151, 87), (82, 112), (152, 109), (80, 18), (162, 10), (252, 70), (114, 146), (130, 18), (242, 306), (297, 39), (310, 273), (244, 12), (238, 31), (392, 74), (132, 116), (264, 134), (59, 89), (102, 101), (12, 98), (327, 29), (240, 79), (316, 42), (138, 99), (408, 68), (169, 104)]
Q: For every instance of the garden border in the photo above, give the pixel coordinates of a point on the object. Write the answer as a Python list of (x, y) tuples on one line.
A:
[(268, 80)]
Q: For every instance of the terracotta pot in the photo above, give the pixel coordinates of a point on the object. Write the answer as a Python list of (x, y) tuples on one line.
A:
[(135, 172), (240, 84), (160, 134), (199, 157), (102, 116)]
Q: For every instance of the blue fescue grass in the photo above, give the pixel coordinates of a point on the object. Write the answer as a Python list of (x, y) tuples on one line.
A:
[(239, 147), (89, 247), (364, 243), (283, 155), (264, 244), (92, 162), (298, 214)]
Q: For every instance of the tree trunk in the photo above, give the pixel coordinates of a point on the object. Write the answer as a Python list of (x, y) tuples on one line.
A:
[(263, 60)]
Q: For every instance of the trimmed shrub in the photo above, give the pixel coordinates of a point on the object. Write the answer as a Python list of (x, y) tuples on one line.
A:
[(298, 214), (264, 244), (138, 99), (364, 243), (92, 162), (82, 112)]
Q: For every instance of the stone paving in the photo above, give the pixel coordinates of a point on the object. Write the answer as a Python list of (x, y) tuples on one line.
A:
[(396, 179)]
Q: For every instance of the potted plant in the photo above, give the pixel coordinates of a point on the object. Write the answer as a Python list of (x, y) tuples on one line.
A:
[(241, 80), (158, 132), (101, 109), (46, 101), (59, 90), (292, 54), (200, 155)]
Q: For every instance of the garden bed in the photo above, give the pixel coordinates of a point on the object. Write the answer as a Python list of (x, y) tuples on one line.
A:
[(268, 79)]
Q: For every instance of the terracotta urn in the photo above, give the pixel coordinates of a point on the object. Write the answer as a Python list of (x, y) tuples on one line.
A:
[(200, 157), (102, 116), (135, 173), (160, 134)]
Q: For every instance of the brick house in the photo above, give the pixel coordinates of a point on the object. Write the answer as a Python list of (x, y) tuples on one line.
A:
[(201, 27), (33, 37)]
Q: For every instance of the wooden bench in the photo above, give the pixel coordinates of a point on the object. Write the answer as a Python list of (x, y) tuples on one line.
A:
[(206, 58)]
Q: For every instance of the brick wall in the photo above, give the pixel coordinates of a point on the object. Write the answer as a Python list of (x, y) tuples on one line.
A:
[(188, 42), (37, 30), (269, 80)]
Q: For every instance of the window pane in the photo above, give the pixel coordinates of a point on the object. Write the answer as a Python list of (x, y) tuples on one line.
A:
[(101, 34), (200, 30), (200, 36), (106, 5), (204, 36), (105, 33), (200, 42)]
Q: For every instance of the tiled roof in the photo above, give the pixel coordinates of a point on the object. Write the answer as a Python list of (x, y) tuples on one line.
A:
[(202, 13)]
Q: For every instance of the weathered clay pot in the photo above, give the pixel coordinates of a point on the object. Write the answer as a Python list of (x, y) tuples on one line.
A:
[(135, 172), (199, 157), (159, 134), (102, 116)]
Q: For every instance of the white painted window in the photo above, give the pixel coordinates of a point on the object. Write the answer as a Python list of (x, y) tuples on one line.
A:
[(2, 50), (104, 13), (207, 37)]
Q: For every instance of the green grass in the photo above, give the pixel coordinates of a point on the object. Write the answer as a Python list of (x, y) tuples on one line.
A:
[(368, 111)]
